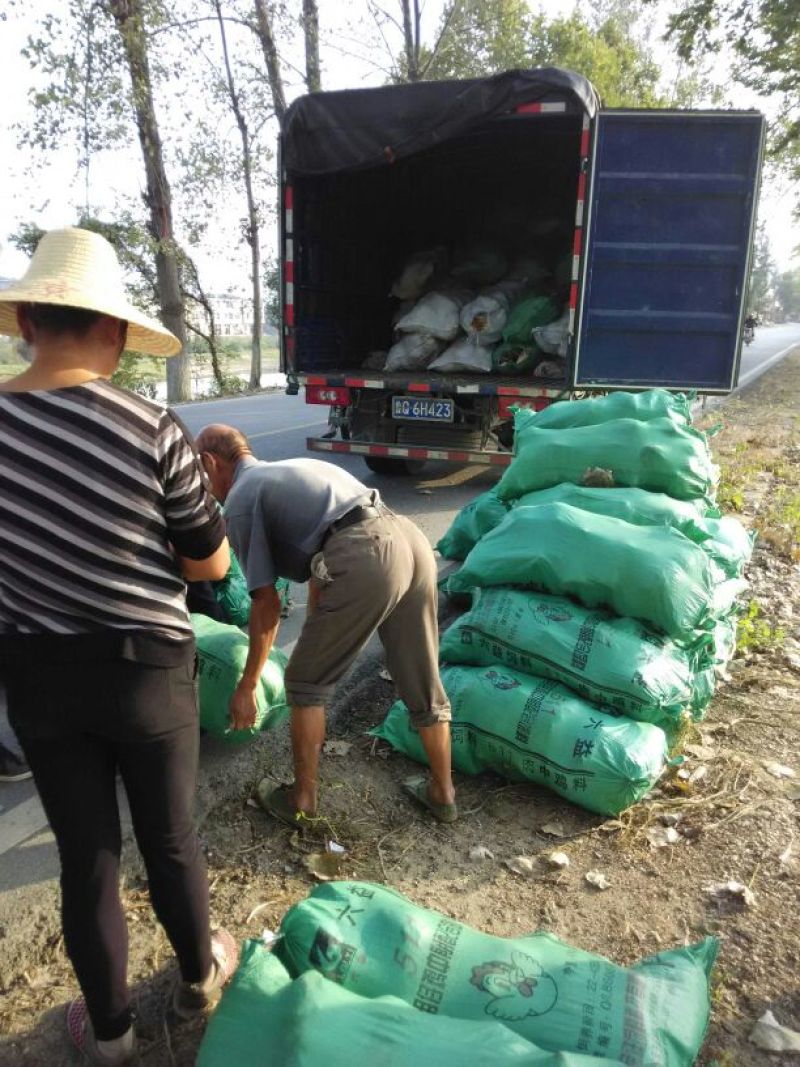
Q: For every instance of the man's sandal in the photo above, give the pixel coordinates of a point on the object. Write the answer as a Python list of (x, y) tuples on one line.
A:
[(276, 802), (418, 789)]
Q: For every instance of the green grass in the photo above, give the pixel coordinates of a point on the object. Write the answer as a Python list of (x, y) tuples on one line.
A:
[(754, 633)]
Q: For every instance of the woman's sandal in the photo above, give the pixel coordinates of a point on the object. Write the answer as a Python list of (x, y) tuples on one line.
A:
[(79, 1028)]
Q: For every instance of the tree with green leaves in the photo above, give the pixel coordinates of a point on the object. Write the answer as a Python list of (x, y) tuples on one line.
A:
[(95, 56), (763, 278), (787, 295), (760, 42)]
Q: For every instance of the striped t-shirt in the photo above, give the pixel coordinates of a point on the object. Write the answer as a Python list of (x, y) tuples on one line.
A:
[(99, 489)]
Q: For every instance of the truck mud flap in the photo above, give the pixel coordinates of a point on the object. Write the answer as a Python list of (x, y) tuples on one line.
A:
[(486, 459)]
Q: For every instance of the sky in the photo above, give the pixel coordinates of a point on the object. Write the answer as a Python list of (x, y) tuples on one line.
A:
[(51, 194)]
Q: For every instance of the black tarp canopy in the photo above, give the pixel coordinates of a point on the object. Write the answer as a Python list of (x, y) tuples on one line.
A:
[(328, 132)]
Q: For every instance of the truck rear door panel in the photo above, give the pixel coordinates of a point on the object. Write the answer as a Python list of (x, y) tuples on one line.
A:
[(671, 212)]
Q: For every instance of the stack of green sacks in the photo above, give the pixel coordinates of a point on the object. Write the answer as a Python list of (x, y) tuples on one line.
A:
[(363, 975), (589, 601)]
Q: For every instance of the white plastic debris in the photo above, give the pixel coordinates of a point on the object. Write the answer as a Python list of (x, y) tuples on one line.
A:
[(270, 937), (662, 836), (768, 1034), (598, 880), (732, 890), (480, 852), (523, 865), (553, 829), (557, 859), (779, 770), (384, 674), (335, 847)]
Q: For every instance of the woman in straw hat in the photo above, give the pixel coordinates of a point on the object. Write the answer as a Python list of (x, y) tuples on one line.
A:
[(104, 515)]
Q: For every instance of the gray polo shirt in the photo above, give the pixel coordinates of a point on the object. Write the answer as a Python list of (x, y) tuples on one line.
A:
[(278, 513)]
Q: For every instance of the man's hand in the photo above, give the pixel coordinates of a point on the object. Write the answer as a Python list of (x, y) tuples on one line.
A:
[(243, 708)]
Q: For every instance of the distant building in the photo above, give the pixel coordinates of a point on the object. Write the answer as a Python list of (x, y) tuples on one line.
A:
[(233, 314)]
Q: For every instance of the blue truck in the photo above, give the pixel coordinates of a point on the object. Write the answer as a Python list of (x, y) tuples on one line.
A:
[(643, 220)]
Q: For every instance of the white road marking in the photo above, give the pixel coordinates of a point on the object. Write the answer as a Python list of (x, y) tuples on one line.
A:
[(756, 372), (286, 429)]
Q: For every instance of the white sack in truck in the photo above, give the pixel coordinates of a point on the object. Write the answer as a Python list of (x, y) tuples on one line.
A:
[(436, 314), (414, 351), (552, 338), (483, 318), (417, 273), (464, 357)]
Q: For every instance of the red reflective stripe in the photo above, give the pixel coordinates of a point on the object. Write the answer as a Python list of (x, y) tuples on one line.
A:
[(582, 187), (507, 390), (417, 453), (356, 383), (458, 457), (585, 141), (502, 459), (340, 446), (312, 379), (529, 109), (379, 450), (578, 242), (573, 295), (419, 387), (288, 198), (288, 270), (288, 314)]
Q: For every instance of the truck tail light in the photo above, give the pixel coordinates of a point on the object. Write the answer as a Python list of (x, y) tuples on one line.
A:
[(328, 394), (505, 403)]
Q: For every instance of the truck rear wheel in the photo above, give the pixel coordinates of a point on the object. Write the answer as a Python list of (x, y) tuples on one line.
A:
[(392, 467)]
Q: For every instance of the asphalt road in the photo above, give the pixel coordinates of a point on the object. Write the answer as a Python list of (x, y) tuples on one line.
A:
[(277, 426)]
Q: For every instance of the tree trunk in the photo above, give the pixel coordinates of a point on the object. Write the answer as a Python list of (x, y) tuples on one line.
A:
[(311, 35), (129, 21), (252, 208), (410, 41), (267, 39)]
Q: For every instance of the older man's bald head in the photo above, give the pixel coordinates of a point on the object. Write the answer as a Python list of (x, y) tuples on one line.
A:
[(221, 447), (226, 442)]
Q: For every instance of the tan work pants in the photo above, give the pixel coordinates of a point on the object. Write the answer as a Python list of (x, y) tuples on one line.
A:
[(381, 575)]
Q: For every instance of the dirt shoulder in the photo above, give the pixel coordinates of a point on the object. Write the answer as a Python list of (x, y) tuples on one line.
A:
[(737, 821)]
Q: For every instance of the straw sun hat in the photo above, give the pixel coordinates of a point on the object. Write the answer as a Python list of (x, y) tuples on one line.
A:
[(79, 268)]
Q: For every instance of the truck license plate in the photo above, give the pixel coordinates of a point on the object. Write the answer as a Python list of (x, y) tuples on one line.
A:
[(428, 409)]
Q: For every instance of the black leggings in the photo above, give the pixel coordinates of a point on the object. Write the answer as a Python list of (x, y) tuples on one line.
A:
[(78, 725)]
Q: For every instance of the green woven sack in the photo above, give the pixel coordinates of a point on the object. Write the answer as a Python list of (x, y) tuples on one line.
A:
[(233, 597), (535, 730), (526, 315), (617, 663), (659, 455), (652, 404), (471, 523), (637, 506), (267, 1020), (650, 573), (729, 543), (221, 655), (368, 938)]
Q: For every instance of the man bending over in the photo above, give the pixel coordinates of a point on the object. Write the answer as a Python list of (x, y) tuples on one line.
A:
[(367, 568)]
